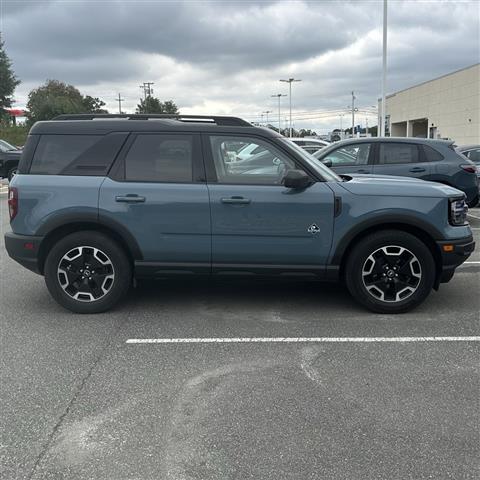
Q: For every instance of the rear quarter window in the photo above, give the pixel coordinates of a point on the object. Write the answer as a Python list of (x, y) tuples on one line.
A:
[(431, 154), (76, 154)]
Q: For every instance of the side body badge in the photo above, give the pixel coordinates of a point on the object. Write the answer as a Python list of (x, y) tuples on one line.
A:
[(313, 228)]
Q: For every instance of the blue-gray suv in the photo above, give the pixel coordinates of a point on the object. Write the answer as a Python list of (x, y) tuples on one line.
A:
[(432, 160), (101, 200)]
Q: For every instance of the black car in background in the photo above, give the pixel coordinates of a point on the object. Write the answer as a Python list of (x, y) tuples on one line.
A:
[(9, 158)]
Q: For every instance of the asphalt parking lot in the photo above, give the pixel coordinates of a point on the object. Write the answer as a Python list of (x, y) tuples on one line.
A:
[(80, 402)]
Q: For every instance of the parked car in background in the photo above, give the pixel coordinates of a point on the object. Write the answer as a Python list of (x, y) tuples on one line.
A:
[(472, 152), (310, 145), (9, 158), (433, 160)]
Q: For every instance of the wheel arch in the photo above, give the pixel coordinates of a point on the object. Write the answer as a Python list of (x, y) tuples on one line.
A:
[(123, 238), (425, 236)]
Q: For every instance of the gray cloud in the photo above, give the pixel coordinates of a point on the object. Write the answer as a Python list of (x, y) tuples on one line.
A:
[(227, 57)]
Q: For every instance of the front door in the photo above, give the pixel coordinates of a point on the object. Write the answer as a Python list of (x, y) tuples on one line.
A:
[(351, 158), (158, 196), (258, 225)]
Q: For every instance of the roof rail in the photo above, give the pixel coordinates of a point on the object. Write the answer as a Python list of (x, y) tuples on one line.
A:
[(218, 120)]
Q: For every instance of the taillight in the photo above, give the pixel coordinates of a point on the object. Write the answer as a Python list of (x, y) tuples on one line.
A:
[(12, 202), (469, 168)]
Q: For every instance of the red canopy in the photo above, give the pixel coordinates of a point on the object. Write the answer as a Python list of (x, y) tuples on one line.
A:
[(16, 112)]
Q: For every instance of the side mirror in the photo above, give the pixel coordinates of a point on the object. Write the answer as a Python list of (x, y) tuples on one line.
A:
[(296, 179), (327, 162)]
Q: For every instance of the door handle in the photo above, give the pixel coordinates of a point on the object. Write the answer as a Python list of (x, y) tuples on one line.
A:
[(417, 169), (236, 200), (363, 170), (129, 198)]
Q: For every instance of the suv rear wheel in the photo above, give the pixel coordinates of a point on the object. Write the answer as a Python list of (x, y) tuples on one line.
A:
[(87, 272), (390, 272)]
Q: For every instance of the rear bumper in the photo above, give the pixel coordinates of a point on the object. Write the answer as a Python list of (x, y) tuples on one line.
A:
[(460, 250), (24, 249)]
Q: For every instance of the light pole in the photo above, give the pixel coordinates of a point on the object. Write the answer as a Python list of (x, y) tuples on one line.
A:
[(290, 81), (384, 70), (266, 112), (353, 114), (279, 95)]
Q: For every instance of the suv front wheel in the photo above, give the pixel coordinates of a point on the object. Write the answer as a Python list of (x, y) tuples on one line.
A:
[(390, 272), (87, 272)]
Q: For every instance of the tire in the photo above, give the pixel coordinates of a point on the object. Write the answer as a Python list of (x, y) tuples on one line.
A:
[(11, 173), (70, 273), (390, 271)]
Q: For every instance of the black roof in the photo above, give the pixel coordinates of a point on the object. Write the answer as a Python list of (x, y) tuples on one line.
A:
[(102, 124)]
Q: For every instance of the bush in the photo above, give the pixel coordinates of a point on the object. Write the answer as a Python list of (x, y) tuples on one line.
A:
[(15, 135)]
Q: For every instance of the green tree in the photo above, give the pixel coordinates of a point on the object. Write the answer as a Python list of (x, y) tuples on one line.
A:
[(93, 105), (8, 81), (55, 98), (154, 105)]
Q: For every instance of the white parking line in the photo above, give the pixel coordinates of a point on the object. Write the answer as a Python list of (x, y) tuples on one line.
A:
[(473, 216), (305, 340)]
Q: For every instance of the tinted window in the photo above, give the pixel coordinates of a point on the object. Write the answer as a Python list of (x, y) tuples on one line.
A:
[(265, 168), (56, 153), (353, 154), (474, 155), (431, 154), (395, 153), (160, 158)]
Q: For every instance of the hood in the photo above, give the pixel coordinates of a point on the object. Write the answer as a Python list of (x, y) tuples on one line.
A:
[(397, 186)]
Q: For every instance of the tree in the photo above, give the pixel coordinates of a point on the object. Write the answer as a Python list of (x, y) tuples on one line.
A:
[(154, 105), (55, 98), (8, 80), (93, 105)]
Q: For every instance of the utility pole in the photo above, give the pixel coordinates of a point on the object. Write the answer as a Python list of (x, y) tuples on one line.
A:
[(353, 114), (261, 116), (147, 89), (384, 70), (120, 100), (341, 125), (290, 81), (279, 95)]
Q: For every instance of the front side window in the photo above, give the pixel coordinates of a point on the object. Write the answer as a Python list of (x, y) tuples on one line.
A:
[(397, 153), (268, 167), (160, 158), (349, 155)]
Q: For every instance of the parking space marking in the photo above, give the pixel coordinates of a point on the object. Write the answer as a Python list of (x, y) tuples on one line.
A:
[(473, 216), (304, 340)]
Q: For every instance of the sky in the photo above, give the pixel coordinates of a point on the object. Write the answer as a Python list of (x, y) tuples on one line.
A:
[(227, 57)]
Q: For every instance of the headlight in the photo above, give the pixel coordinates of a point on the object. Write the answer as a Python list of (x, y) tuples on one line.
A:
[(458, 209)]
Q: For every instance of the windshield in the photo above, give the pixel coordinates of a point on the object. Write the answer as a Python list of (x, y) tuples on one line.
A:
[(324, 171), (5, 146)]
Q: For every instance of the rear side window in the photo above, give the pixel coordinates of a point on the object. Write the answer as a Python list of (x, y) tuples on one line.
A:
[(431, 154), (160, 158), (76, 154), (396, 153)]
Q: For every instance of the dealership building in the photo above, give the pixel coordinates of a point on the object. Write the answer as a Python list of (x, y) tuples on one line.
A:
[(445, 107)]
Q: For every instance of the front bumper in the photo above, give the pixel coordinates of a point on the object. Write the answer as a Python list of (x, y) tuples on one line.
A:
[(24, 249), (453, 253)]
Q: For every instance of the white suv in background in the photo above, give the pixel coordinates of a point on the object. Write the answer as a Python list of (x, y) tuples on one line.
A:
[(311, 145)]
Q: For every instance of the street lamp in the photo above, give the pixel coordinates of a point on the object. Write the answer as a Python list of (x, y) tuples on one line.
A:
[(290, 81), (266, 112), (279, 95)]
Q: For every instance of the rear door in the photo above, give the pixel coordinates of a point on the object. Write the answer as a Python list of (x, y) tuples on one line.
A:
[(157, 193), (403, 159)]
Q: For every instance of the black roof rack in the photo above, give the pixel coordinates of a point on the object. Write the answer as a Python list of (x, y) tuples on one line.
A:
[(218, 120)]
